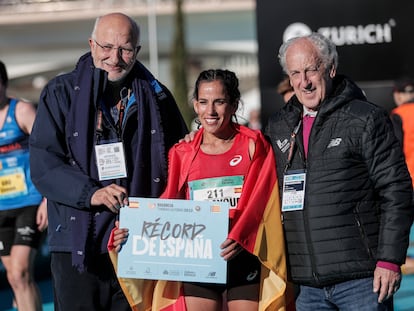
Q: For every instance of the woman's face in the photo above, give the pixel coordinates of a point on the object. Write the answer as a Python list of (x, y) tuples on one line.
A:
[(213, 108)]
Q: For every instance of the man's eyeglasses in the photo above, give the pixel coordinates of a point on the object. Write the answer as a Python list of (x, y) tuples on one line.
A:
[(308, 72), (124, 52)]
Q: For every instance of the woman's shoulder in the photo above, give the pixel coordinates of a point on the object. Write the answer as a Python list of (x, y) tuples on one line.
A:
[(250, 133), (184, 146)]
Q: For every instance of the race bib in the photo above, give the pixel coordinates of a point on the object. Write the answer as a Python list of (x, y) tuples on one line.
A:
[(12, 183), (221, 189)]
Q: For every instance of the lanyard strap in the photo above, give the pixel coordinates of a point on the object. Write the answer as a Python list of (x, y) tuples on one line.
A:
[(292, 144), (125, 94)]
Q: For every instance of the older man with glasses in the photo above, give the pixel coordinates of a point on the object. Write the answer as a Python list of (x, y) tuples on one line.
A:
[(345, 187), (102, 133)]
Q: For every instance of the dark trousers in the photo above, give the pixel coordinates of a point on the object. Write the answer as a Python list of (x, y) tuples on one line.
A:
[(95, 289)]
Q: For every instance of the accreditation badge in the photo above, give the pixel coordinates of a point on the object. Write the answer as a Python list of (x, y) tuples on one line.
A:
[(110, 160), (293, 196)]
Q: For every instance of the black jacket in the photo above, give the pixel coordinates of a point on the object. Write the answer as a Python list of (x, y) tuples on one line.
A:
[(358, 191)]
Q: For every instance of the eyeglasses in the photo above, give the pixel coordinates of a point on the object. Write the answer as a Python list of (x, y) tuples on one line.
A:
[(124, 52), (308, 72)]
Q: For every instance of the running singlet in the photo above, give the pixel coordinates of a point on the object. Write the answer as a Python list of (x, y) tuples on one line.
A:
[(16, 187), (220, 177)]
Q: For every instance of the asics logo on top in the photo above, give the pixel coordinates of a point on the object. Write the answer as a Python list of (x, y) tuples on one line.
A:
[(236, 160), (252, 275)]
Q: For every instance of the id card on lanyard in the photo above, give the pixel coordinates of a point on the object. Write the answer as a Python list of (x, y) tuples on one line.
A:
[(293, 196), (294, 181), (110, 160), (110, 157)]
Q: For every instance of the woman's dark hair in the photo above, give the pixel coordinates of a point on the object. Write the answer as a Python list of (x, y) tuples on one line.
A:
[(3, 74), (228, 79)]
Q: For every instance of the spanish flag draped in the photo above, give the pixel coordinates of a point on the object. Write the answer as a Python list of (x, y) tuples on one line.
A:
[(257, 227)]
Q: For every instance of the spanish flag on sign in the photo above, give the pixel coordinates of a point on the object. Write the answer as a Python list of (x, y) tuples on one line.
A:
[(215, 208)]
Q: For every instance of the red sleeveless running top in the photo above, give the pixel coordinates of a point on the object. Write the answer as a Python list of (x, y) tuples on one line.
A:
[(234, 162)]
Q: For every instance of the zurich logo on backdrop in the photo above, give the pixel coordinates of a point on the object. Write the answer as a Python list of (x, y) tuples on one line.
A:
[(347, 34)]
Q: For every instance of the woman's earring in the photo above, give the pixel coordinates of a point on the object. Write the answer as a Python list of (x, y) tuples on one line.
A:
[(198, 122)]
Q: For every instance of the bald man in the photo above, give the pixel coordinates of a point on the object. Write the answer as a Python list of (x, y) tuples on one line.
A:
[(102, 134)]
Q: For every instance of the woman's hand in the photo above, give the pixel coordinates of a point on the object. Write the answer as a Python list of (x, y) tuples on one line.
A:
[(188, 138), (230, 249), (120, 236)]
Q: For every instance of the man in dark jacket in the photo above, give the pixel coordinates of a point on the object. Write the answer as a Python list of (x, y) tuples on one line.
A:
[(345, 187), (102, 133)]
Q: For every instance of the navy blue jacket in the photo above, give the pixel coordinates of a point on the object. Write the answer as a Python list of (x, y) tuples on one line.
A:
[(63, 160)]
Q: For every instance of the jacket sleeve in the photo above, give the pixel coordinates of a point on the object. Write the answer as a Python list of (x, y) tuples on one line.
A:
[(175, 184), (389, 173), (53, 172), (398, 127)]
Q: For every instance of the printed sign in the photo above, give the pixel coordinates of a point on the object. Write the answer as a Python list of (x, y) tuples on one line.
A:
[(177, 240)]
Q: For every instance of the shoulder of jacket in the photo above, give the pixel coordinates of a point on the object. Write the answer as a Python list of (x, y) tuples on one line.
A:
[(285, 116), (65, 80), (183, 146), (362, 109)]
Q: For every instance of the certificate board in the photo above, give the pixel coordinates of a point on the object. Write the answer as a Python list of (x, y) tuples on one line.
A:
[(177, 240)]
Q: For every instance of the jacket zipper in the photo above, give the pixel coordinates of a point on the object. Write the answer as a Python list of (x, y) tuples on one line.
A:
[(363, 236), (306, 224)]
